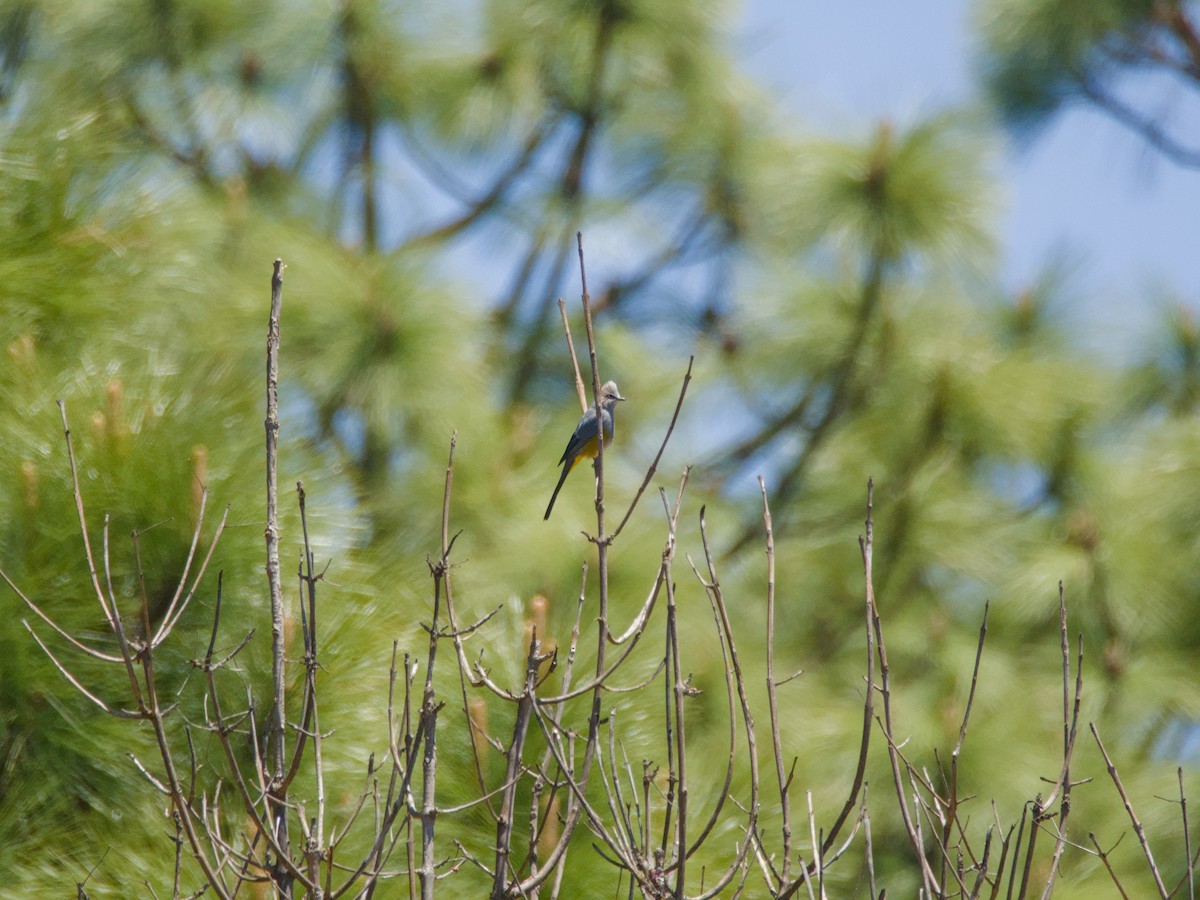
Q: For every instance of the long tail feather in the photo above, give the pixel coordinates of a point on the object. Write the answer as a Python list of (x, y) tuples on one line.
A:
[(558, 487)]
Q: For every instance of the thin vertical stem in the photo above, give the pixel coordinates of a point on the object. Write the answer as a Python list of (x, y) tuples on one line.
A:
[(781, 774), (277, 801), (1187, 838), (429, 705), (1133, 818)]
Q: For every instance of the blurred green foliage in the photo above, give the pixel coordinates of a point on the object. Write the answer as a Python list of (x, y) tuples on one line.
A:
[(422, 171)]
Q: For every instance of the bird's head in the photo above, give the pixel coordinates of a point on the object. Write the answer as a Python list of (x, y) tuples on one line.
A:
[(609, 394)]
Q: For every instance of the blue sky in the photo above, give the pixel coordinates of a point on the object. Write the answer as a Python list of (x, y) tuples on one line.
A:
[(1083, 189)]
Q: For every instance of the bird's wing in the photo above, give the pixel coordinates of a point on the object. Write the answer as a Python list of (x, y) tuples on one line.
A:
[(585, 431)]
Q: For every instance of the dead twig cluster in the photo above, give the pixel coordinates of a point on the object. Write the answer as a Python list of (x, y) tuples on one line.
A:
[(563, 775)]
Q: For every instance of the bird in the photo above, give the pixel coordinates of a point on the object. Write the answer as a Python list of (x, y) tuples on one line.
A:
[(583, 442)]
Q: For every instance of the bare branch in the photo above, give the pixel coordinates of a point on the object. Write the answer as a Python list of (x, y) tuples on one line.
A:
[(1137, 824), (278, 801), (911, 827), (562, 311), (77, 644), (687, 377), (75, 682), (83, 531)]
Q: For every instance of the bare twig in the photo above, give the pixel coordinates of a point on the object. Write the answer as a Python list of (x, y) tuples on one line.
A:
[(678, 688), (1187, 840), (429, 705), (911, 827), (1070, 728), (109, 612), (687, 377), (278, 802), (951, 814), (717, 598), (1107, 865), (66, 635), (781, 777), (562, 310), (504, 824), (76, 683), (1137, 824)]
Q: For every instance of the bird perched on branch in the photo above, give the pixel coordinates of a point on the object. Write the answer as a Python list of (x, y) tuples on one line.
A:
[(585, 441)]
